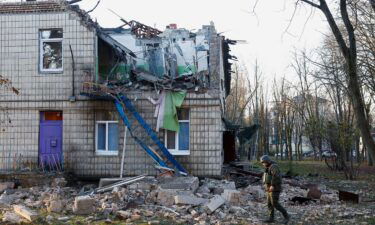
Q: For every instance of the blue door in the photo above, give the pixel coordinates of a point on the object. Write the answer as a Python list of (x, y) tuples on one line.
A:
[(50, 140)]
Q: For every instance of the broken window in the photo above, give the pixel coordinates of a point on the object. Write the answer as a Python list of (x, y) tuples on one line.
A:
[(51, 50), (178, 143), (107, 137)]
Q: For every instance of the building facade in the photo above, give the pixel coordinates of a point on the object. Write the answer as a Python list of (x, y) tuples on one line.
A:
[(49, 50)]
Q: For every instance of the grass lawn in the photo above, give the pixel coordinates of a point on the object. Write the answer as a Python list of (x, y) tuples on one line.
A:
[(305, 168)]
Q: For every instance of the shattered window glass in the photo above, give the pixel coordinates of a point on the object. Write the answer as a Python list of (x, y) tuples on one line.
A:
[(52, 57), (51, 50)]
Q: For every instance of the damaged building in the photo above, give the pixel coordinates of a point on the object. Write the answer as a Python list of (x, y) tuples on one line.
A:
[(103, 102)]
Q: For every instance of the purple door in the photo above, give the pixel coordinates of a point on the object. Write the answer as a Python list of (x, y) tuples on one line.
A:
[(50, 140)]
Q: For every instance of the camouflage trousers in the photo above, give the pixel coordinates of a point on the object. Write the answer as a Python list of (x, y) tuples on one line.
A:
[(273, 203)]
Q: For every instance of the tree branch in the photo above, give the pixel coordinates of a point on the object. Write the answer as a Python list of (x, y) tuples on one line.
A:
[(312, 4), (93, 8)]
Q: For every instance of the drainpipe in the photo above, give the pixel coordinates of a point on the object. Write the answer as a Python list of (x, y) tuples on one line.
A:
[(72, 98)]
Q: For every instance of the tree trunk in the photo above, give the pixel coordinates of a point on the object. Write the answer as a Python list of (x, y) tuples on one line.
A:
[(350, 54)]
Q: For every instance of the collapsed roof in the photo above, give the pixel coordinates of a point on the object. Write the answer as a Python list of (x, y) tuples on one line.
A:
[(145, 57)]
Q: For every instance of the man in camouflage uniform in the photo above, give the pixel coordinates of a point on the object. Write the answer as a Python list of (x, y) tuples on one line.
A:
[(272, 184)]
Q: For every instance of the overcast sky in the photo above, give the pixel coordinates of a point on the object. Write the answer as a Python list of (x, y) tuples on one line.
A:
[(264, 31)]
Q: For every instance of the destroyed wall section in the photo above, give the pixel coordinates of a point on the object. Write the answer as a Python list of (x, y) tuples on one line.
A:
[(19, 61)]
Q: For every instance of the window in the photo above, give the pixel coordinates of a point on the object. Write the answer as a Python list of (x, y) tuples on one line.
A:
[(51, 50), (178, 143), (106, 133)]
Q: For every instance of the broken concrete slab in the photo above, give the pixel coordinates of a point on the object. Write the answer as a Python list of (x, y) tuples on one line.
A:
[(217, 186), (214, 203), (232, 196), (25, 212), (165, 197), (59, 182), (124, 214), (255, 191), (83, 205), (6, 200), (11, 217), (6, 185), (189, 200), (180, 183), (55, 206)]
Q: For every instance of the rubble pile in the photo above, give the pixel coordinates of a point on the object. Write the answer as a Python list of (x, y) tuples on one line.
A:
[(184, 200)]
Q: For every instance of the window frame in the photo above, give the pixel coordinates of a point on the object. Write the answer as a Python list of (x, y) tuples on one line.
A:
[(57, 40), (176, 150), (106, 151)]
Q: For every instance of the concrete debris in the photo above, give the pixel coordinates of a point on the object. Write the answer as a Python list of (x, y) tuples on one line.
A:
[(55, 206), (232, 196), (148, 200), (6, 185), (25, 212), (165, 197), (11, 217), (180, 183), (59, 182), (214, 203), (189, 200), (83, 205), (256, 191)]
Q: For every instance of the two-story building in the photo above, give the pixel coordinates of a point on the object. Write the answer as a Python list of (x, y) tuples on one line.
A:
[(51, 49)]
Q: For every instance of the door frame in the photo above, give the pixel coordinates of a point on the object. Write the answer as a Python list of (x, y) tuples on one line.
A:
[(51, 122)]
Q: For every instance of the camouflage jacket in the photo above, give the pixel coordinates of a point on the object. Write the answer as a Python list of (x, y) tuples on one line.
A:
[(272, 177)]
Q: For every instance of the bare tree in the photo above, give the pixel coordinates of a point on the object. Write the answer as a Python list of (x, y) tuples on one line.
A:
[(349, 51), (240, 96)]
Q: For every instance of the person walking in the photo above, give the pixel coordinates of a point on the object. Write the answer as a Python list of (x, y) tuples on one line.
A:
[(272, 180)]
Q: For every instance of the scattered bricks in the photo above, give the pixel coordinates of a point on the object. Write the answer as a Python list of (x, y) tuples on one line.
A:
[(135, 217), (6, 185), (232, 196), (55, 206), (314, 193), (59, 182), (214, 203), (189, 200), (166, 197), (123, 214), (11, 217), (83, 205), (25, 212), (256, 191), (203, 189)]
